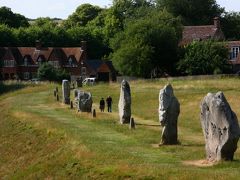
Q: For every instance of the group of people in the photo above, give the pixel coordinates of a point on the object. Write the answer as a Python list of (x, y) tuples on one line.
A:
[(108, 102)]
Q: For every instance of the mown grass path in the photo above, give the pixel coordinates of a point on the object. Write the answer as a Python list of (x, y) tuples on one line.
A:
[(41, 138)]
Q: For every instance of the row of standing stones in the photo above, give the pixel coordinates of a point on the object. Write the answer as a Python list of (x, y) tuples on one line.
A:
[(219, 123)]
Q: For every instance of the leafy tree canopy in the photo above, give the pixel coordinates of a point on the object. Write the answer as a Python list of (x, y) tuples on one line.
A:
[(193, 12), (204, 57), (47, 72), (231, 25), (11, 19), (83, 14), (146, 44)]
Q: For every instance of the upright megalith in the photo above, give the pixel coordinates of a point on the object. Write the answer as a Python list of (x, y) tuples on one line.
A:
[(169, 109), (66, 91), (124, 105), (84, 101), (220, 127)]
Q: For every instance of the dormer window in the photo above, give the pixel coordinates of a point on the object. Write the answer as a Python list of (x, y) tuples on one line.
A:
[(70, 62), (25, 61), (40, 61)]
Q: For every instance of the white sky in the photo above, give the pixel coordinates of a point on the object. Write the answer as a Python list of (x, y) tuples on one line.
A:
[(63, 8)]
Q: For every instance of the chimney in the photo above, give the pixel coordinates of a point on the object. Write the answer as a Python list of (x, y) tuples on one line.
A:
[(84, 45), (216, 21), (38, 44)]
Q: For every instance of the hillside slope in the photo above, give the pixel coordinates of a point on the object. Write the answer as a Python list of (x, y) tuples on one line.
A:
[(41, 138)]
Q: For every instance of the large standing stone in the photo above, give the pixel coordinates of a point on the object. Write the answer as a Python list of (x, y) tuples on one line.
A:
[(124, 105), (220, 127), (66, 91), (84, 101), (169, 109)]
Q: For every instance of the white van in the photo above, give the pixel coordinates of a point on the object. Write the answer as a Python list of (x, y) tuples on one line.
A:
[(89, 81)]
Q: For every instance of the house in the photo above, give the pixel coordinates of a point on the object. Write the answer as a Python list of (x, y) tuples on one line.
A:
[(102, 70), (201, 33), (23, 62)]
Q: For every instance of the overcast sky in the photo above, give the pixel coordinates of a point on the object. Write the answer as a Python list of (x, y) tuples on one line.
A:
[(63, 8)]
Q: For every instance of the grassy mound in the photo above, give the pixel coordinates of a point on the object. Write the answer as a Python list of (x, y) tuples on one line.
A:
[(41, 138)]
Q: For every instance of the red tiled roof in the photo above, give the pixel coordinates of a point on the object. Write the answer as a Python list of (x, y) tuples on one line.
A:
[(191, 33), (233, 43), (77, 52), (56, 53)]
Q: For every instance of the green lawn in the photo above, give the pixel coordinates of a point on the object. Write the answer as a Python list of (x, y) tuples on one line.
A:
[(41, 138)]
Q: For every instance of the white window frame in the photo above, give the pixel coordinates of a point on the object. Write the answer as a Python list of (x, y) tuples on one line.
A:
[(9, 63), (234, 52), (39, 61), (25, 61)]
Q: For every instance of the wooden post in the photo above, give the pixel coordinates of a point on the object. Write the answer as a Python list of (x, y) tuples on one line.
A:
[(56, 89), (54, 93), (57, 97), (71, 105), (94, 113), (132, 124)]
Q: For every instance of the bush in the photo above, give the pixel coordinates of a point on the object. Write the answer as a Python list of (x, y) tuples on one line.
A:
[(204, 57), (47, 72)]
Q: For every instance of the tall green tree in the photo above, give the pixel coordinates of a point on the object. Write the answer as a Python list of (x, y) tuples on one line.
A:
[(11, 19), (147, 44), (7, 37), (47, 72), (230, 24), (204, 57), (193, 12), (83, 14)]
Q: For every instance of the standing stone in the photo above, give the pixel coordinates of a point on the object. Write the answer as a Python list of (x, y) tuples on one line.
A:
[(75, 93), (124, 105), (220, 127), (169, 109), (84, 101), (132, 124), (94, 113), (66, 91)]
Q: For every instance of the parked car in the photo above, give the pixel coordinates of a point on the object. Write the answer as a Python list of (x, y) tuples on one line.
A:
[(34, 80), (89, 81)]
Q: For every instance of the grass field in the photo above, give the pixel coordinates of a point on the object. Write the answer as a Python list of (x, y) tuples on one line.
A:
[(41, 138)]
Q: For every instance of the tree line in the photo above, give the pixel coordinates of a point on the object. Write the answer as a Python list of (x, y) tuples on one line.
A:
[(140, 36)]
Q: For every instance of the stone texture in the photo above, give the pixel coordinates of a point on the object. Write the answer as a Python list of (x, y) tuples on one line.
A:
[(124, 105), (66, 91), (84, 101), (220, 127), (169, 109)]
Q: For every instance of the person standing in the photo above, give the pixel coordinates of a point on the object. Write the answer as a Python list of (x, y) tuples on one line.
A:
[(102, 105), (109, 103)]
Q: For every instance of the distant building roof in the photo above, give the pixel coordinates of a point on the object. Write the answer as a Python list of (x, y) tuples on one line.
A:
[(48, 53), (198, 33)]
